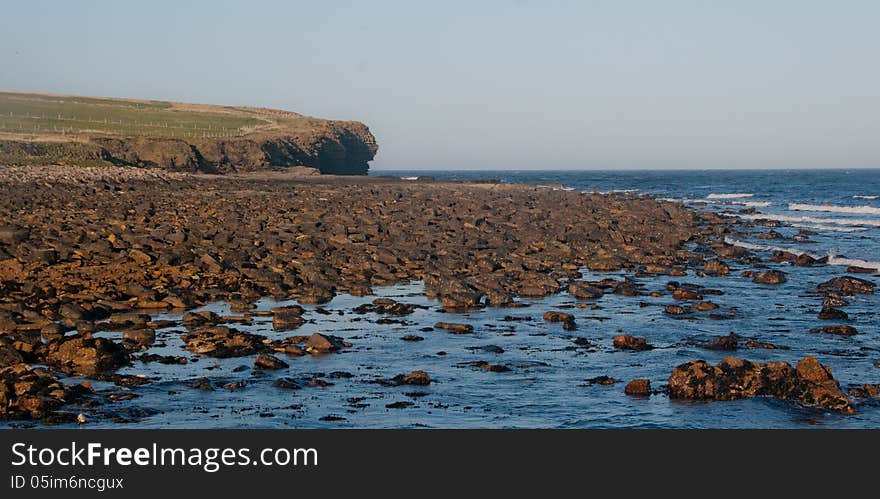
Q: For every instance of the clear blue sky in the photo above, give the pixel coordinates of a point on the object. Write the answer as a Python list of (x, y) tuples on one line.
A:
[(491, 84)]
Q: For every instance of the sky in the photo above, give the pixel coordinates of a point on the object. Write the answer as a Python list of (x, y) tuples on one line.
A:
[(504, 85)]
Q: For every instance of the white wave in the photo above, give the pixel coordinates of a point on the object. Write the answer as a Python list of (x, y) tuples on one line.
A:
[(794, 219), (409, 178), (861, 210), (853, 262), (832, 259), (833, 228), (869, 198), (734, 195), (750, 204)]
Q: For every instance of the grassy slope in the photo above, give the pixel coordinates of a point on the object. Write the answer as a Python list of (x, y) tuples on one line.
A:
[(46, 120)]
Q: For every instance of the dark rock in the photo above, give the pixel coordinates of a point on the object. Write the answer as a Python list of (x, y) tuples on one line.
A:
[(455, 328), (86, 355), (584, 291), (222, 342), (809, 384), (418, 378), (833, 314), (841, 330), (269, 362), (848, 285), (770, 277)]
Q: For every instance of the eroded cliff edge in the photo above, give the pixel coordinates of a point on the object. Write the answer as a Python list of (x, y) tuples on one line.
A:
[(41, 130)]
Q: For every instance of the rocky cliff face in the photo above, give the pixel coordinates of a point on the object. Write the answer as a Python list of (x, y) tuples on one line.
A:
[(341, 148)]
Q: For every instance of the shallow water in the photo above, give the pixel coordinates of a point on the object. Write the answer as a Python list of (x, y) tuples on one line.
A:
[(547, 385)]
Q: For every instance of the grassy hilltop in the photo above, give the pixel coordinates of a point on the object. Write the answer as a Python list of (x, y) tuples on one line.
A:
[(56, 129)]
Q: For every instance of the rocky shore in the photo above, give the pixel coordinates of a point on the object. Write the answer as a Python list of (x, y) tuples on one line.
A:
[(88, 251)]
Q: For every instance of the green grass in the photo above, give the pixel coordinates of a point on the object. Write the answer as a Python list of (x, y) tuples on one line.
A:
[(45, 115)]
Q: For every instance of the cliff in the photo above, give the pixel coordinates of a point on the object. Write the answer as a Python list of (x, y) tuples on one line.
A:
[(43, 129)]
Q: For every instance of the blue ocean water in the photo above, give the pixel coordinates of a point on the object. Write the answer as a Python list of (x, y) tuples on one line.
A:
[(548, 382)]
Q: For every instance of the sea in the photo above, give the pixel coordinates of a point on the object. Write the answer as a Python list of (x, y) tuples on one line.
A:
[(552, 372)]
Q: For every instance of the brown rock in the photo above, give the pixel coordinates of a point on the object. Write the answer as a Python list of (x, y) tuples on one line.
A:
[(842, 330), (638, 387), (627, 342), (455, 328), (419, 378), (269, 362)]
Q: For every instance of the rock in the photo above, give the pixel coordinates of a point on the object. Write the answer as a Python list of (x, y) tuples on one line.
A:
[(419, 378), (139, 336), (833, 314), (8, 354), (705, 306), (675, 310), (204, 318), (638, 388), (810, 383), (411, 337), (627, 342), (86, 355), (287, 318), (319, 343), (27, 393), (841, 330), (770, 277), (716, 267), (50, 332), (12, 235), (386, 306), (222, 342), (125, 321), (848, 285), (832, 300), (584, 291), (455, 328), (269, 362), (866, 391), (554, 316), (202, 384), (729, 342), (686, 294)]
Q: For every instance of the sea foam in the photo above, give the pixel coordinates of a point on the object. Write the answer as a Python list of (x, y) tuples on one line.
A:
[(814, 220), (860, 210), (734, 195)]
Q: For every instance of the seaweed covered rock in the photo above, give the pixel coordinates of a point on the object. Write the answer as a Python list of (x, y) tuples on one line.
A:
[(809, 383)]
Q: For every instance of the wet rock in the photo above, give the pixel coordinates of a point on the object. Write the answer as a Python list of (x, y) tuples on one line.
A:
[(729, 342), (638, 388), (841, 330), (676, 310), (411, 337), (833, 314), (627, 342), (204, 318), (139, 336), (269, 362), (418, 378), (705, 306), (584, 291), (601, 380), (127, 321), (222, 342), (386, 306), (86, 355), (319, 344), (50, 332), (686, 294), (567, 320), (202, 384), (455, 328), (848, 285), (27, 393), (770, 277), (716, 267), (809, 384), (833, 300), (287, 384), (287, 318), (866, 391)]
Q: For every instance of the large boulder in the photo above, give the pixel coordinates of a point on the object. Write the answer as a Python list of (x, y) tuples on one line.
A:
[(810, 383)]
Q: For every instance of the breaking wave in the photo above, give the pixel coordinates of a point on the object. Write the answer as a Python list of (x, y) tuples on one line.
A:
[(860, 210), (832, 259), (730, 196), (814, 220)]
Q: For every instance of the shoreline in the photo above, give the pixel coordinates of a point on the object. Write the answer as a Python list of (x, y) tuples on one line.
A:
[(94, 250)]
